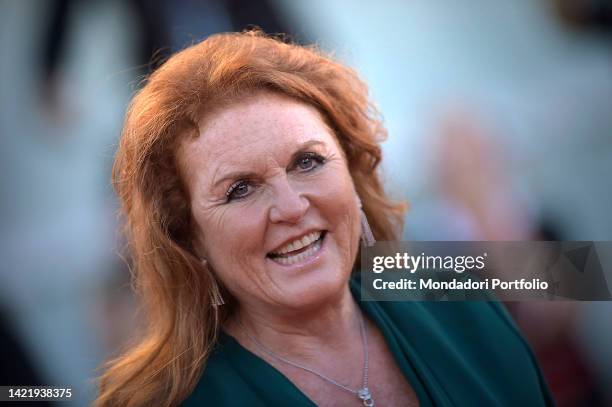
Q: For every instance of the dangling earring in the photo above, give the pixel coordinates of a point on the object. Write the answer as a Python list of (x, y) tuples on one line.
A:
[(216, 298), (367, 237)]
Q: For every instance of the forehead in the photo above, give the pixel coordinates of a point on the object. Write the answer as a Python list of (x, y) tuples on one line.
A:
[(263, 126)]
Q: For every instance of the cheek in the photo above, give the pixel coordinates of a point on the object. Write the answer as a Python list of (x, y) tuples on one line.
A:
[(339, 206), (340, 195), (232, 236)]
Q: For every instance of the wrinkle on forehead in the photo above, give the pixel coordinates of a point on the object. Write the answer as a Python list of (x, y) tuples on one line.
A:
[(230, 139)]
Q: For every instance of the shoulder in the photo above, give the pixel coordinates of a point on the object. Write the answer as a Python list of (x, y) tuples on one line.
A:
[(220, 382), (473, 345), (233, 376), (464, 322)]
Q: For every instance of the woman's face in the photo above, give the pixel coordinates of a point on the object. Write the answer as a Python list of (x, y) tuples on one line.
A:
[(274, 202)]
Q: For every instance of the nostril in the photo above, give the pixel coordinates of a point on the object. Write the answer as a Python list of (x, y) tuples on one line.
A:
[(289, 209)]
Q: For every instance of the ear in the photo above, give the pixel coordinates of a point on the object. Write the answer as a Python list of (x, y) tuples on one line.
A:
[(201, 254)]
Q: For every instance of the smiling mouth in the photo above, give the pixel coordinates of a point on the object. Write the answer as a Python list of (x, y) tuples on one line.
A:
[(297, 252)]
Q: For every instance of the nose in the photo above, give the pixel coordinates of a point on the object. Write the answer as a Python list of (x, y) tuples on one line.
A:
[(289, 204)]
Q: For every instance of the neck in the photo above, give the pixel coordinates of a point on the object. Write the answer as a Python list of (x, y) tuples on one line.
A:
[(301, 333)]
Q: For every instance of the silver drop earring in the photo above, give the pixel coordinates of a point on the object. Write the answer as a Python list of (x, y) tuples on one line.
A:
[(367, 237), (216, 298)]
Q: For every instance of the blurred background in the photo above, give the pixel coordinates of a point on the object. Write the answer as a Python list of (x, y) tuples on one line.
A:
[(500, 128)]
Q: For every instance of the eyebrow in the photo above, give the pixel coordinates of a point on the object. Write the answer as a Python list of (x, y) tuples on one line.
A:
[(247, 174)]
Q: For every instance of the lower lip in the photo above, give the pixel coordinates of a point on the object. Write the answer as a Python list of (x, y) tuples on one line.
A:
[(307, 262)]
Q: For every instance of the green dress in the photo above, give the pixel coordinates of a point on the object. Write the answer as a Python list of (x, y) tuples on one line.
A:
[(452, 354)]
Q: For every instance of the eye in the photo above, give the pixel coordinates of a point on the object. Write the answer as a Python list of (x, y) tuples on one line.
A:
[(238, 189), (309, 161)]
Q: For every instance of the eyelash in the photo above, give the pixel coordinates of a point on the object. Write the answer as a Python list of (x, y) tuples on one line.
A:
[(320, 160)]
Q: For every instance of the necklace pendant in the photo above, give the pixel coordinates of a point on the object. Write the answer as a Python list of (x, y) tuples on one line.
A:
[(364, 394)]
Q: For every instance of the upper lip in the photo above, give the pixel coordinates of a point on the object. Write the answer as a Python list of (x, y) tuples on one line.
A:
[(292, 238)]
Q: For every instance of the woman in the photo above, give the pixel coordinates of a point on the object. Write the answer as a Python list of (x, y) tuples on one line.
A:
[(247, 173)]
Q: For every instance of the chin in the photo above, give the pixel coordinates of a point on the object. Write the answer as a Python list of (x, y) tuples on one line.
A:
[(318, 288)]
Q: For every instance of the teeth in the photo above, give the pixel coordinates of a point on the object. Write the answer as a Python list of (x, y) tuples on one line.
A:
[(296, 258), (299, 243)]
